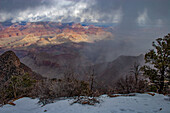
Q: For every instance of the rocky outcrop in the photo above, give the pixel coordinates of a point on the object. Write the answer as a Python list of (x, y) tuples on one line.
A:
[(10, 65)]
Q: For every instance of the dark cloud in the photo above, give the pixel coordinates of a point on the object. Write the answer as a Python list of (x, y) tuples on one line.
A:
[(128, 13), (19, 5), (157, 11)]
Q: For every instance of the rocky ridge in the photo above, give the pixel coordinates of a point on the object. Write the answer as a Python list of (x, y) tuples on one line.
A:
[(10, 65)]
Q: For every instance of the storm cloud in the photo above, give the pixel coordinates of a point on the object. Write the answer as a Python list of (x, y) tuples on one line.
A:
[(14, 5), (135, 12), (125, 13)]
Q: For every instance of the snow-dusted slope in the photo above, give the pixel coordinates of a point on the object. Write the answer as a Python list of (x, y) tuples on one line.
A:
[(141, 103)]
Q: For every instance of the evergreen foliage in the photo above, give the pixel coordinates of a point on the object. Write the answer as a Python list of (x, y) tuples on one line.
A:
[(158, 60)]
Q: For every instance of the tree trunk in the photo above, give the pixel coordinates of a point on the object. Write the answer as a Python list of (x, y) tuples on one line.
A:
[(161, 85), (14, 90), (136, 77), (15, 95), (162, 82)]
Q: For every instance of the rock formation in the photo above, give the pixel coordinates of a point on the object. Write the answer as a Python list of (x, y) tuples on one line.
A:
[(10, 65)]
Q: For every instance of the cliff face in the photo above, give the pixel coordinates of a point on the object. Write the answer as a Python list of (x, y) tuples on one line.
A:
[(11, 65)]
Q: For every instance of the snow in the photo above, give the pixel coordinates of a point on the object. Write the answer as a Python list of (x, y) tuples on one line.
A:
[(141, 103)]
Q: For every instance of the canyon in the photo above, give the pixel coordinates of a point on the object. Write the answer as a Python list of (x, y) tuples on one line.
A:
[(49, 33), (53, 49)]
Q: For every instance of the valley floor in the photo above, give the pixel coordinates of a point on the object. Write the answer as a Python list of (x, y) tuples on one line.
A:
[(141, 103)]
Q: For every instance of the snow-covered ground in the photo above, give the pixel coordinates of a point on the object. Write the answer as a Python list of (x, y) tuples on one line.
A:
[(141, 103)]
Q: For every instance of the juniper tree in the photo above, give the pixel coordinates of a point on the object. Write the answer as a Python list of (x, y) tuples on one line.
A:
[(159, 62)]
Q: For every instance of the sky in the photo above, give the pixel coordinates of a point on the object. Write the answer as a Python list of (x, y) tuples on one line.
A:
[(123, 12)]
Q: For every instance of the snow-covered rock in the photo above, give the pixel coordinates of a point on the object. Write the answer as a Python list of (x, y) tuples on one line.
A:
[(167, 97)]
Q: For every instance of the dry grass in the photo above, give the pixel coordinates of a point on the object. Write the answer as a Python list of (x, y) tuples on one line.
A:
[(152, 94), (113, 95), (121, 95), (12, 101)]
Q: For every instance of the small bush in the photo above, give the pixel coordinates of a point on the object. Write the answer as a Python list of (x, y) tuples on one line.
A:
[(86, 100), (153, 88)]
